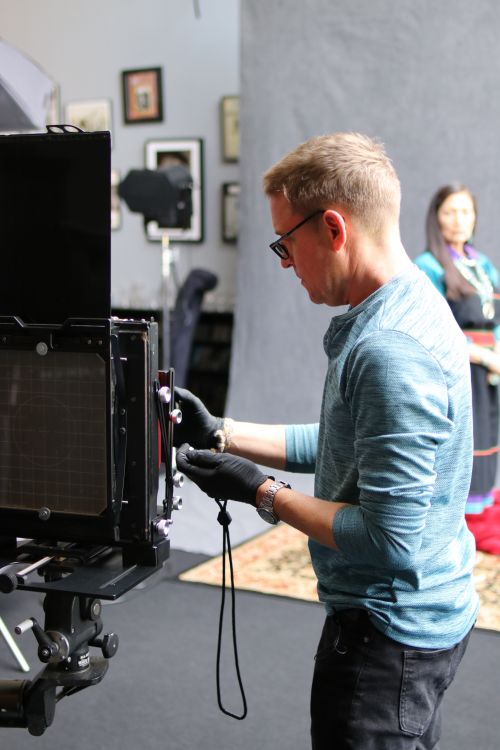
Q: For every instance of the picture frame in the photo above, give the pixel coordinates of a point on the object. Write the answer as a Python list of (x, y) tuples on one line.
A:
[(230, 211), (116, 210), (230, 128), (142, 95), (188, 152), (90, 115)]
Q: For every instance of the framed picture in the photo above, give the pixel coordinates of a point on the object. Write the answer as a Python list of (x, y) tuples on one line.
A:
[(230, 211), (189, 153), (89, 114), (116, 212), (230, 127), (142, 95)]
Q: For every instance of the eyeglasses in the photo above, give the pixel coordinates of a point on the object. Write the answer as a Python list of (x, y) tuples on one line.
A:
[(277, 245)]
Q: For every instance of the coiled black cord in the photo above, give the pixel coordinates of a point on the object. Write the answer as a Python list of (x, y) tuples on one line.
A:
[(225, 519)]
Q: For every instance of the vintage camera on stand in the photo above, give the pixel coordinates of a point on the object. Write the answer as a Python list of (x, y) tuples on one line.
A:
[(86, 417)]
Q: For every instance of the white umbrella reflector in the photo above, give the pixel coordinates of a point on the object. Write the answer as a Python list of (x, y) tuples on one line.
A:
[(25, 91)]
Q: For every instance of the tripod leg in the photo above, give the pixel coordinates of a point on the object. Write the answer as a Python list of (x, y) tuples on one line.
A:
[(13, 647)]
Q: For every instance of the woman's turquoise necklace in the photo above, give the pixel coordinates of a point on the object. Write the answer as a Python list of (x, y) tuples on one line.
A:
[(474, 273)]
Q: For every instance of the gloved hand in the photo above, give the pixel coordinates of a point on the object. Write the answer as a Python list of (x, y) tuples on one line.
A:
[(198, 426), (221, 475)]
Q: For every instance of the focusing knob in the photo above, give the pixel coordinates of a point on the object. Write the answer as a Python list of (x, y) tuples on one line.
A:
[(176, 502), (178, 479), (176, 416), (165, 394), (162, 527)]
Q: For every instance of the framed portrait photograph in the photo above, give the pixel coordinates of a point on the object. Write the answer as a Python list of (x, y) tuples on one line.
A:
[(188, 152), (230, 127), (89, 114), (142, 95), (230, 211)]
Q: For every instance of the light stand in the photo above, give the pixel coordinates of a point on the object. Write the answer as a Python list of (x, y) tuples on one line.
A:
[(168, 265)]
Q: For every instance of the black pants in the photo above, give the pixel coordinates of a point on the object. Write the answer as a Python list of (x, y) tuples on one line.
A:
[(372, 693)]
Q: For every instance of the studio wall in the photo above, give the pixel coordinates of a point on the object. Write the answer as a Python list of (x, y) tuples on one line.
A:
[(85, 47), (420, 76)]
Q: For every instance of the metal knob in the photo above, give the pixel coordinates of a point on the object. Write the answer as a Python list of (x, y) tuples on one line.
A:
[(163, 526), (165, 394), (23, 626), (178, 479), (176, 502), (108, 644), (176, 416)]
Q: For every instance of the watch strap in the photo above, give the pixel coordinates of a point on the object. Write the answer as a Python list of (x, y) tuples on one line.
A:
[(266, 505)]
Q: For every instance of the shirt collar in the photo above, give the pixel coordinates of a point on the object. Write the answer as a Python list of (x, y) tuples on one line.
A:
[(469, 252)]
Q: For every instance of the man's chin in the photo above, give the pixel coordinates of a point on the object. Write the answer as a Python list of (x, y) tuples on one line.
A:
[(314, 299)]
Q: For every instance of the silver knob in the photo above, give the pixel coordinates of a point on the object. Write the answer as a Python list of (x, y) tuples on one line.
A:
[(163, 526), (176, 416), (176, 502), (165, 394), (178, 479), (23, 626)]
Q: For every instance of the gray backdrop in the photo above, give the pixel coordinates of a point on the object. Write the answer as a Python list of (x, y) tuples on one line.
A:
[(423, 76)]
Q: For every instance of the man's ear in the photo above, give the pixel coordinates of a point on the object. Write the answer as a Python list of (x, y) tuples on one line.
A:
[(336, 225)]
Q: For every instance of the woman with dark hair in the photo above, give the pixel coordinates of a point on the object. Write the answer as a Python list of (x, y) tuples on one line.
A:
[(469, 281)]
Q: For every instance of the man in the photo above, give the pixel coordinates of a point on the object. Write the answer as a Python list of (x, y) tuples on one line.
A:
[(391, 454)]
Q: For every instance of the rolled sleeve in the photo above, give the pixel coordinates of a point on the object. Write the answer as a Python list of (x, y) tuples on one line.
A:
[(301, 447), (400, 410)]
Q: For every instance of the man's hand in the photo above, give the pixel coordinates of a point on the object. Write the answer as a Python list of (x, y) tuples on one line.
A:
[(198, 426), (221, 475)]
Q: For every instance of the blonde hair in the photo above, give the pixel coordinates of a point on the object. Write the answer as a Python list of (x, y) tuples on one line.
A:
[(349, 170)]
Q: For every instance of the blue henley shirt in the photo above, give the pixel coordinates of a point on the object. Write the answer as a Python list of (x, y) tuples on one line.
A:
[(395, 442)]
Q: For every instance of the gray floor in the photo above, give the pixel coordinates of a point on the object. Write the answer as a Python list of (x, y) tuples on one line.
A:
[(160, 690)]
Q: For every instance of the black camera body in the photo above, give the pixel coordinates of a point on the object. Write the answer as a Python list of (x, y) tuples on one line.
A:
[(80, 411), (86, 417), (79, 430)]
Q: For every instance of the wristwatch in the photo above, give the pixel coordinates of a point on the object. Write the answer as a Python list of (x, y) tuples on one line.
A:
[(266, 508)]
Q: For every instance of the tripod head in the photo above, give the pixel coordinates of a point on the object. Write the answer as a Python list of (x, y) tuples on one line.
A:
[(72, 625)]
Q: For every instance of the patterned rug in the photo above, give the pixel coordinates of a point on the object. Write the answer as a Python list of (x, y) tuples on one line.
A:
[(277, 562)]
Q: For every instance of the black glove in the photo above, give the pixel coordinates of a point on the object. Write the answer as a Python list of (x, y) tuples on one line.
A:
[(221, 475), (198, 426)]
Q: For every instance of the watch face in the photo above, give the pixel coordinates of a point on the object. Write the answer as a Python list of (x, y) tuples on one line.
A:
[(267, 515)]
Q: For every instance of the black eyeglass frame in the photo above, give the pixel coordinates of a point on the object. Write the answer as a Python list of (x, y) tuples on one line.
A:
[(280, 249)]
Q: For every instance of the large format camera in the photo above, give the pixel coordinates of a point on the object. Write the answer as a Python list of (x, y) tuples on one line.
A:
[(86, 418)]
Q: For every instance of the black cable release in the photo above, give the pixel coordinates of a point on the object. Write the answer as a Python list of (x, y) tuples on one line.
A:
[(225, 519)]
